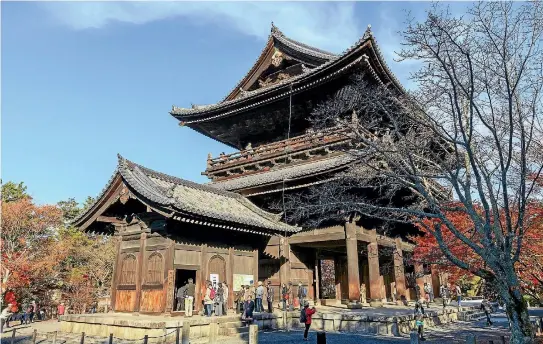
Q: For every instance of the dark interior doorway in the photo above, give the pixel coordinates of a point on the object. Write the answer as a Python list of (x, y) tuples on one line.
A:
[(181, 278)]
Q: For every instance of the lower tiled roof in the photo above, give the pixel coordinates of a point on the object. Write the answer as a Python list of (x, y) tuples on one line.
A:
[(191, 198), (289, 172)]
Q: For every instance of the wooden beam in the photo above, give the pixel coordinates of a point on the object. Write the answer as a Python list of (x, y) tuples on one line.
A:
[(110, 219), (316, 238)]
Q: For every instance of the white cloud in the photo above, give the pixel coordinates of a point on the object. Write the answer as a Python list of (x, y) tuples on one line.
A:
[(327, 25)]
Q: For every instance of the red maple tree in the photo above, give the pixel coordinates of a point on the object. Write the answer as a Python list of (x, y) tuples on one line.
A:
[(529, 266)]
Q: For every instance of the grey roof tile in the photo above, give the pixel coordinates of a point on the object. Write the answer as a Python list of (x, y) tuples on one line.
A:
[(289, 172)]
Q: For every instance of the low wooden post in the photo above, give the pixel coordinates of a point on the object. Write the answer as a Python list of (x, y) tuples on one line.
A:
[(55, 337), (111, 338), (82, 338), (13, 336), (541, 324), (253, 334), (177, 334), (471, 339), (490, 342), (414, 337), (213, 332), (34, 335), (186, 333), (321, 337), (503, 339), (145, 339)]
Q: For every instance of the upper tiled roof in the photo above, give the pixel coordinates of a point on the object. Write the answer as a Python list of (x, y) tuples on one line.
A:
[(194, 199), (288, 172), (334, 65)]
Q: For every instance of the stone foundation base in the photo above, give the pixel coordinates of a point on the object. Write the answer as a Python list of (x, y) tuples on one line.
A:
[(162, 329), (376, 303)]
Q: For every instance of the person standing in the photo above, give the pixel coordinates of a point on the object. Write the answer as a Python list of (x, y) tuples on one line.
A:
[(427, 293), (208, 299), (190, 289), (487, 308), (60, 310), (302, 293), (225, 297), (419, 320), (308, 314), (269, 297), (180, 297), (284, 296), (259, 294), (458, 295), (219, 300), (444, 292)]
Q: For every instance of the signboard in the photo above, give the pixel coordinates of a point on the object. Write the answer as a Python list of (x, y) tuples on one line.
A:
[(171, 291), (240, 280), (214, 278)]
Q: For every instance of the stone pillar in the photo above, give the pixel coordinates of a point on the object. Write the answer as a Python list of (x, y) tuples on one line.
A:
[(374, 275), (353, 273), (419, 274), (399, 271)]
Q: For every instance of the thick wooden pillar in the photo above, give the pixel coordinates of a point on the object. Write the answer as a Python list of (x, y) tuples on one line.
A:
[(139, 272), (374, 275), (435, 281), (353, 272), (419, 274), (169, 277), (399, 271), (230, 278), (116, 272), (255, 264), (284, 260)]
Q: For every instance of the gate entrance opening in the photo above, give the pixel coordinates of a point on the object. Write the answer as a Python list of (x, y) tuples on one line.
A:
[(181, 278)]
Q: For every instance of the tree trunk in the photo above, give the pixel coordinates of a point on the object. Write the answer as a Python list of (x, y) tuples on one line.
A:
[(517, 311)]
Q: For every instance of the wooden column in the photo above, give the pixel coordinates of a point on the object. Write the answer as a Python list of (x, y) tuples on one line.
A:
[(374, 274), (139, 271), (353, 273), (317, 280), (255, 263), (116, 271), (419, 274), (203, 277), (231, 278), (169, 277), (284, 269), (435, 281), (399, 270)]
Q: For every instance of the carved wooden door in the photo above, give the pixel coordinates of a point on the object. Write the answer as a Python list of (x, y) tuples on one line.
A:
[(217, 265)]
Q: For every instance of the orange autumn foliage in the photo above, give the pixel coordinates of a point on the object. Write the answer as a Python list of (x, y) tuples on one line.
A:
[(529, 266), (25, 242)]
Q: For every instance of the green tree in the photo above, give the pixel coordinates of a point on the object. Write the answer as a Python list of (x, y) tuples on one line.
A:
[(12, 192)]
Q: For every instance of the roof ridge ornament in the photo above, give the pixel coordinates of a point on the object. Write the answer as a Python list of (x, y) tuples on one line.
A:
[(275, 30), (368, 33)]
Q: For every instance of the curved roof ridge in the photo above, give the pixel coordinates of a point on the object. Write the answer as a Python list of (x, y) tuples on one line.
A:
[(277, 34)]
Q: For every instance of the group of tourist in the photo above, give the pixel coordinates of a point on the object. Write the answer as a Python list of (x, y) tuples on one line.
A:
[(25, 315), (185, 297), (446, 293), (216, 299)]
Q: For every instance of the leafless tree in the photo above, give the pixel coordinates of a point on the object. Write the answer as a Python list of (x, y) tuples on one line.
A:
[(469, 139)]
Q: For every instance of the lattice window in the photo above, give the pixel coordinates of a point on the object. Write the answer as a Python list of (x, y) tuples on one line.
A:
[(154, 269), (128, 271)]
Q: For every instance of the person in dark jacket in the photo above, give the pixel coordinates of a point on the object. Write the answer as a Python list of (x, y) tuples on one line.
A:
[(269, 297), (249, 309), (487, 308)]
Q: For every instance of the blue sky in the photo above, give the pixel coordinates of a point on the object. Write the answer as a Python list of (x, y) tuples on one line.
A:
[(82, 82)]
